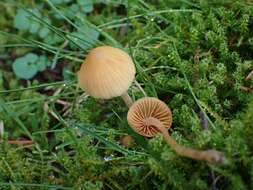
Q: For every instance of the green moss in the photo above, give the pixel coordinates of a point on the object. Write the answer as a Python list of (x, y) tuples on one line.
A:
[(194, 55)]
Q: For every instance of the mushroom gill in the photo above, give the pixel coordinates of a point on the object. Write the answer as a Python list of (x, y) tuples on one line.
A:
[(144, 109), (148, 116)]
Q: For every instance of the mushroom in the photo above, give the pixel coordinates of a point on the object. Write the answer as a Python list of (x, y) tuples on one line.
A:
[(148, 116), (107, 72), (127, 141)]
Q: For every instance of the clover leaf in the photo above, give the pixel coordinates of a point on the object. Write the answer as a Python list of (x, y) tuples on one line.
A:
[(28, 66), (86, 5), (42, 63), (85, 37), (21, 20), (25, 67)]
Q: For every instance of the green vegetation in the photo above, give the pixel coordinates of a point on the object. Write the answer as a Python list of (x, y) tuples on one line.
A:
[(194, 55)]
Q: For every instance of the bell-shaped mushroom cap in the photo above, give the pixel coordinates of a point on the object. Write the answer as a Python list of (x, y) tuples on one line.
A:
[(107, 72), (145, 108)]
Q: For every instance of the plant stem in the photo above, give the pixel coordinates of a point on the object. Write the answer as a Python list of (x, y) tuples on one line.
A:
[(127, 99), (141, 89), (211, 156)]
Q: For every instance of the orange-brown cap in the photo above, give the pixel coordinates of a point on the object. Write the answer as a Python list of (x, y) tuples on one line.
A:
[(146, 108), (107, 72)]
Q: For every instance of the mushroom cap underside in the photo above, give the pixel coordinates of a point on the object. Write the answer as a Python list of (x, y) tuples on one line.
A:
[(145, 108)]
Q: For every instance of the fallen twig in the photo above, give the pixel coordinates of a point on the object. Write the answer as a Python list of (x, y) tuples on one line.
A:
[(48, 110), (250, 75), (1, 129), (19, 142), (246, 89), (204, 121)]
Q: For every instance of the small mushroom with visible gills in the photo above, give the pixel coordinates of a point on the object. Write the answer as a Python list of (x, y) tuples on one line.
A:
[(148, 116), (107, 72)]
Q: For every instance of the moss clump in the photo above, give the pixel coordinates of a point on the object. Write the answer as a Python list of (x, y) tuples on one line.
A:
[(194, 55)]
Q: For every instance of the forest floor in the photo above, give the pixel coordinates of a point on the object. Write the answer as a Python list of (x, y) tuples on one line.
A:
[(195, 55)]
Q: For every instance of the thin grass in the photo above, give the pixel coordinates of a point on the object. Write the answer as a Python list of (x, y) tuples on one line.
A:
[(34, 185), (36, 87)]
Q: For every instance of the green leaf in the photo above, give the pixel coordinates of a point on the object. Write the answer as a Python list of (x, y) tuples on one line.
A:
[(32, 62), (72, 11), (86, 5), (74, 8), (34, 24), (56, 2), (42, 63), (44, 32), (21, 20), (34, 27), (31, 57), (85, 37), (52, 39), (25, 67)]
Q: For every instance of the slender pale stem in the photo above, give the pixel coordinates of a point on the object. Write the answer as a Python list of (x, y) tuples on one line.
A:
[(127, 99), (211, 156)]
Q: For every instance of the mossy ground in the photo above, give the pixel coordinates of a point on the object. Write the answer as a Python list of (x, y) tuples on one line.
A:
[(194, 55)]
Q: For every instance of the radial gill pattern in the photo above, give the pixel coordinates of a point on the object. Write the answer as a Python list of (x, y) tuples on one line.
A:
[(145, 108)]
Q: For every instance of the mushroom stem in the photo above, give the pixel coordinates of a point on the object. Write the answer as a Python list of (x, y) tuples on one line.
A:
[(211, 156), (127, 99)]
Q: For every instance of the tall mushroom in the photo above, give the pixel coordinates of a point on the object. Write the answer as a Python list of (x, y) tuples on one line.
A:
[(107, 72), (148, 116)]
